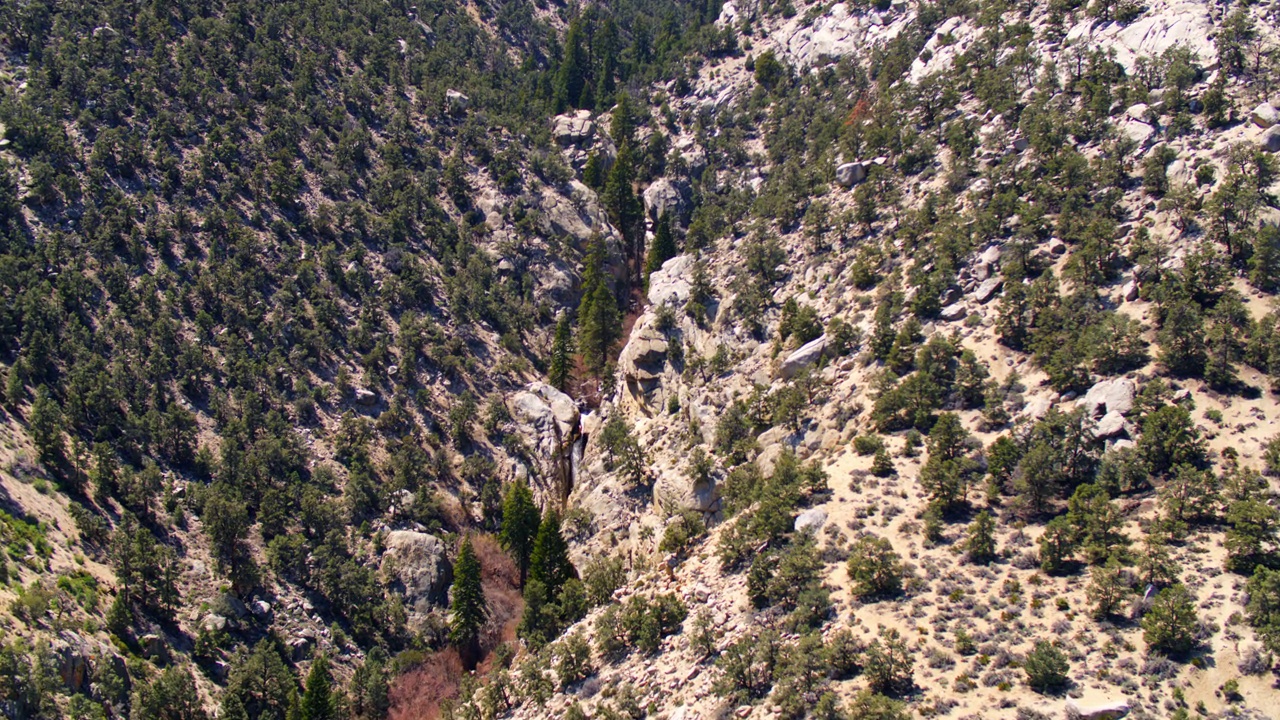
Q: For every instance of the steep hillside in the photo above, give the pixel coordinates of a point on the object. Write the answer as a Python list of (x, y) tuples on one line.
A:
[(653, 358)]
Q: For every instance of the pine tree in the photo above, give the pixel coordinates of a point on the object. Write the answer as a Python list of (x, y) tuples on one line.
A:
[(549, 563), (369, 689), (46, 427), (981, 542), (571, 77), (468, 606), (261, 686), (599, 329), (625, 209), (558, 372), (662, 249), (317, 699), (520, 522)]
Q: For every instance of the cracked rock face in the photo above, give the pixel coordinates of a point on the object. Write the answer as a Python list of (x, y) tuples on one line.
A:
[(419, 565), (548, 420)]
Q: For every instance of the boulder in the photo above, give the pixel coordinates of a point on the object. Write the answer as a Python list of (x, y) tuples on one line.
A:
[(671, 283), (645, 353), (811, 519), (418, 567), (1138, 132), (954, 312), (154, 648), (1271, 140), (987, 289), (456, 101), (1109, 396), (990, 256), (850, 174), (364, 398), (214, 622), (1037, 408), (807, 355), (667, 197), (548, 421), (570, 130), (299, 647), (73, 657), (1265, 115), (1102, 711), (1138, 112), (1129, 290), (1110, 426)]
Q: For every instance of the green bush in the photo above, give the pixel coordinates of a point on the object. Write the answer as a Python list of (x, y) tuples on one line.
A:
[(1046, 667), (874, 567), (1171, 625)]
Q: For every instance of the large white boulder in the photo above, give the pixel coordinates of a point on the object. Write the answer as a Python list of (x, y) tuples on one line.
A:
[(573, 129), (1109, 396), (807, 355), (666, 197), (418, 565), (1265, 115), (1271, 140), (671, 283), (1100, 711), (850, 174)]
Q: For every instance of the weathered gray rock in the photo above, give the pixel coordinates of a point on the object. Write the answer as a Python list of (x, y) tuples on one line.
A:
[(418, 565), (1188, 24), (1101, 711), (1109, 396), (1138, 112), (987, 289), (1265, 115), (363, 397), (671, 283), (214, 622), (812, 519), (667, 197), (1271, 140), (154, 648), (548, 421), (1037, 408), (573, 129), (300, 647), (850, 174), (1129, 290), (954, 312), (807, 355), (456, 101), (73, 656), (645, 353), (990, 256), (1111, 425), (1139, 132)]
